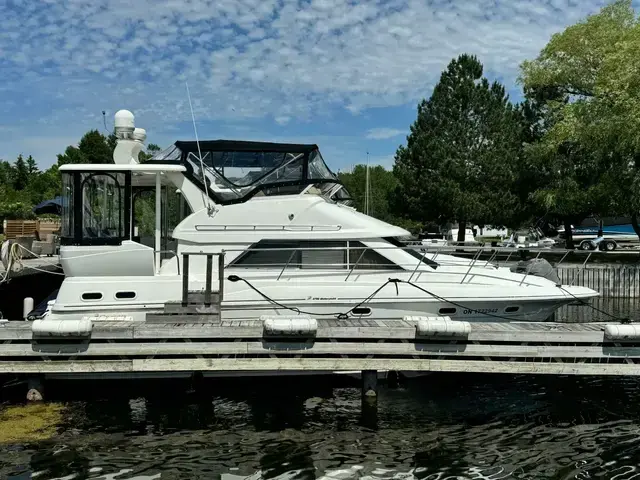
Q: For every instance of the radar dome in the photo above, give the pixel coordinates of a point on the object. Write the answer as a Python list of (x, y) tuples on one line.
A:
[(140, 134), (123, 122)]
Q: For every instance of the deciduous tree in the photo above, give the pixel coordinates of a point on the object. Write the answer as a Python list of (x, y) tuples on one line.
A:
[(594, 139)]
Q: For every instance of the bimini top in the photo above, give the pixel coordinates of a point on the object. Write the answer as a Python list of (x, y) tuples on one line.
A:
[(243, 146), (233, 171)]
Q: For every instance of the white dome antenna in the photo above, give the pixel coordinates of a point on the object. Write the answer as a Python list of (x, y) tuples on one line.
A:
[(140, 135), (124, 124)]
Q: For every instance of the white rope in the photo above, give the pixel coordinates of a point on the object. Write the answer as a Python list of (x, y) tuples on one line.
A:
[(15, 262)]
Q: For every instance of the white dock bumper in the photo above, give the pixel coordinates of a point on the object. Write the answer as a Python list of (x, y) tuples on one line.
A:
[(622, 332), (62, 328), (289, 326), (439, 327)]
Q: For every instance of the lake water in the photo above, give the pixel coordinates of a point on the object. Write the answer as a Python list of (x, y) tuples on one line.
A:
[(440, 426)]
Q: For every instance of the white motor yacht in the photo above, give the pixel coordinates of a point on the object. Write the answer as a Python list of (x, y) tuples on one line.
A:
[(291, 242)]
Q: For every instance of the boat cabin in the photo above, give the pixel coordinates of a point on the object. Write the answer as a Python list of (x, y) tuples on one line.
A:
[(134, 205)]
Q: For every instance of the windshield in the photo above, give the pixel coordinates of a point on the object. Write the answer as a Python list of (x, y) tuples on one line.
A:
[(234, 171)]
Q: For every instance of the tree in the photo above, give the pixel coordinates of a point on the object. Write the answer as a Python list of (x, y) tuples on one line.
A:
[(459, 162), (94, 147), (593, 65), (32, 166), (6, 173), (21, 174), (381, 184), (152, 149)]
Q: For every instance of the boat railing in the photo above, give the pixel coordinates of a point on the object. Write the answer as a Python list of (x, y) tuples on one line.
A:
[(208, 290), (426, 259)]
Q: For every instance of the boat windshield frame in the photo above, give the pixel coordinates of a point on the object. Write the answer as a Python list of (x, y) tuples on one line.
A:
[(312, 168)]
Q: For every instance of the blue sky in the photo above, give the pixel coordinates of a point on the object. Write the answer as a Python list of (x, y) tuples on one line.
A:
[(346, 75)]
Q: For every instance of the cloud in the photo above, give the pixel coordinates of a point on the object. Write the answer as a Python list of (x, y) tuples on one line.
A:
[(288, 62), (383, 133)]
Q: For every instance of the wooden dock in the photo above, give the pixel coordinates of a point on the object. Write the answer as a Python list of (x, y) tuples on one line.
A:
[(243, 347)]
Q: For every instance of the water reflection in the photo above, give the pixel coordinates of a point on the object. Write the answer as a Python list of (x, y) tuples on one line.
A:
[(441, 426)]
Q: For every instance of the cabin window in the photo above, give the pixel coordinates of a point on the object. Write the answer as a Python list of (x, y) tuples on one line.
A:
[(102, 206), (92, 296), (367, 259), (310, 254), (125, 295), (67, 220), (295, 254)]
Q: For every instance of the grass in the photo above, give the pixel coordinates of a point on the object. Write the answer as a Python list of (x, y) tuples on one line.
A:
[(29, 423)]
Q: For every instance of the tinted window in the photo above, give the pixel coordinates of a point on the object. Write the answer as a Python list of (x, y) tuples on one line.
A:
[(309, 254), (367, 259)]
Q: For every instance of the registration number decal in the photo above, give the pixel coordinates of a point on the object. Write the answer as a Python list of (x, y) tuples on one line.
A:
[(480, 310)]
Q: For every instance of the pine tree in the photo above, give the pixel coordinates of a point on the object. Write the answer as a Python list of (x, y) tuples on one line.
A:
[(21, 174), (460, 156), (32, 166)]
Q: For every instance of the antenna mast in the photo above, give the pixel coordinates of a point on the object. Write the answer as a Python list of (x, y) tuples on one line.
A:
[(204, 180), (366, 188)]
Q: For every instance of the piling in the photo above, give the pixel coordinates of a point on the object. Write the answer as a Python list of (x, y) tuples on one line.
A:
[(392, 379), (370, 385), (35, 384)]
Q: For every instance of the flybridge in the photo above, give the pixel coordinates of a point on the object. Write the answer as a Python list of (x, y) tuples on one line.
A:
[(232, 171)]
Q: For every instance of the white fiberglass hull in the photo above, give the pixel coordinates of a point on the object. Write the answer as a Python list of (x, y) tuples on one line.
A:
[(324, 297)]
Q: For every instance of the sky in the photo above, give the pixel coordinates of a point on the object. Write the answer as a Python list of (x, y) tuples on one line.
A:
[(343, 74)]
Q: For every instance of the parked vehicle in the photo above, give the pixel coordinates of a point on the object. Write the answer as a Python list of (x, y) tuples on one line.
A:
[(607, 233)]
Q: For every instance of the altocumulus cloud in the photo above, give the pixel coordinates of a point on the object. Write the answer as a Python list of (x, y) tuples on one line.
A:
[(63, 61)]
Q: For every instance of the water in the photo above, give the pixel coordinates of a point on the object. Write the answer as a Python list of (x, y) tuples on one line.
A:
[(441, 426)]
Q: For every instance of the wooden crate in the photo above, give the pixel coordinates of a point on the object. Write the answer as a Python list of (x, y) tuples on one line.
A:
[(27, 228), (20, 228), (46, 226)]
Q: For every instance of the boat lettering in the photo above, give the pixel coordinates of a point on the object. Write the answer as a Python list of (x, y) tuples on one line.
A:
[(322, 298), (480, 310)]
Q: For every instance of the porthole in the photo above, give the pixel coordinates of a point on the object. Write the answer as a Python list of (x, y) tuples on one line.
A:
[(511, 309), (361, 311), (92, 296), (126, 295), (447, 311)]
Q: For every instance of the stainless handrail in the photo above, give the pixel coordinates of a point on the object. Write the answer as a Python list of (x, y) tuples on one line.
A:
[(475, 257), (355, 264), (417, 265), (287, 264), (170, 251), (580, 270)]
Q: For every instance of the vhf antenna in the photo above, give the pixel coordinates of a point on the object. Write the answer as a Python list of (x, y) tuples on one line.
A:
[(208, 206)]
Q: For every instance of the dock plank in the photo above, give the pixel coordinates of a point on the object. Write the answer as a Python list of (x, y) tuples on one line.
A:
[(319, 348), (239, 365)]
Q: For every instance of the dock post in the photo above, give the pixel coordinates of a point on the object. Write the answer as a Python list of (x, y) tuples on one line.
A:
[(369, 385), (220, 277), (35, 384), (392, 379), (207, 288), (185, 279), (369, 412)]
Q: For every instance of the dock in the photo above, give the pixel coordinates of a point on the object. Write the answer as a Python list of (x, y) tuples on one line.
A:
[(121, 347), (192, 337)]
